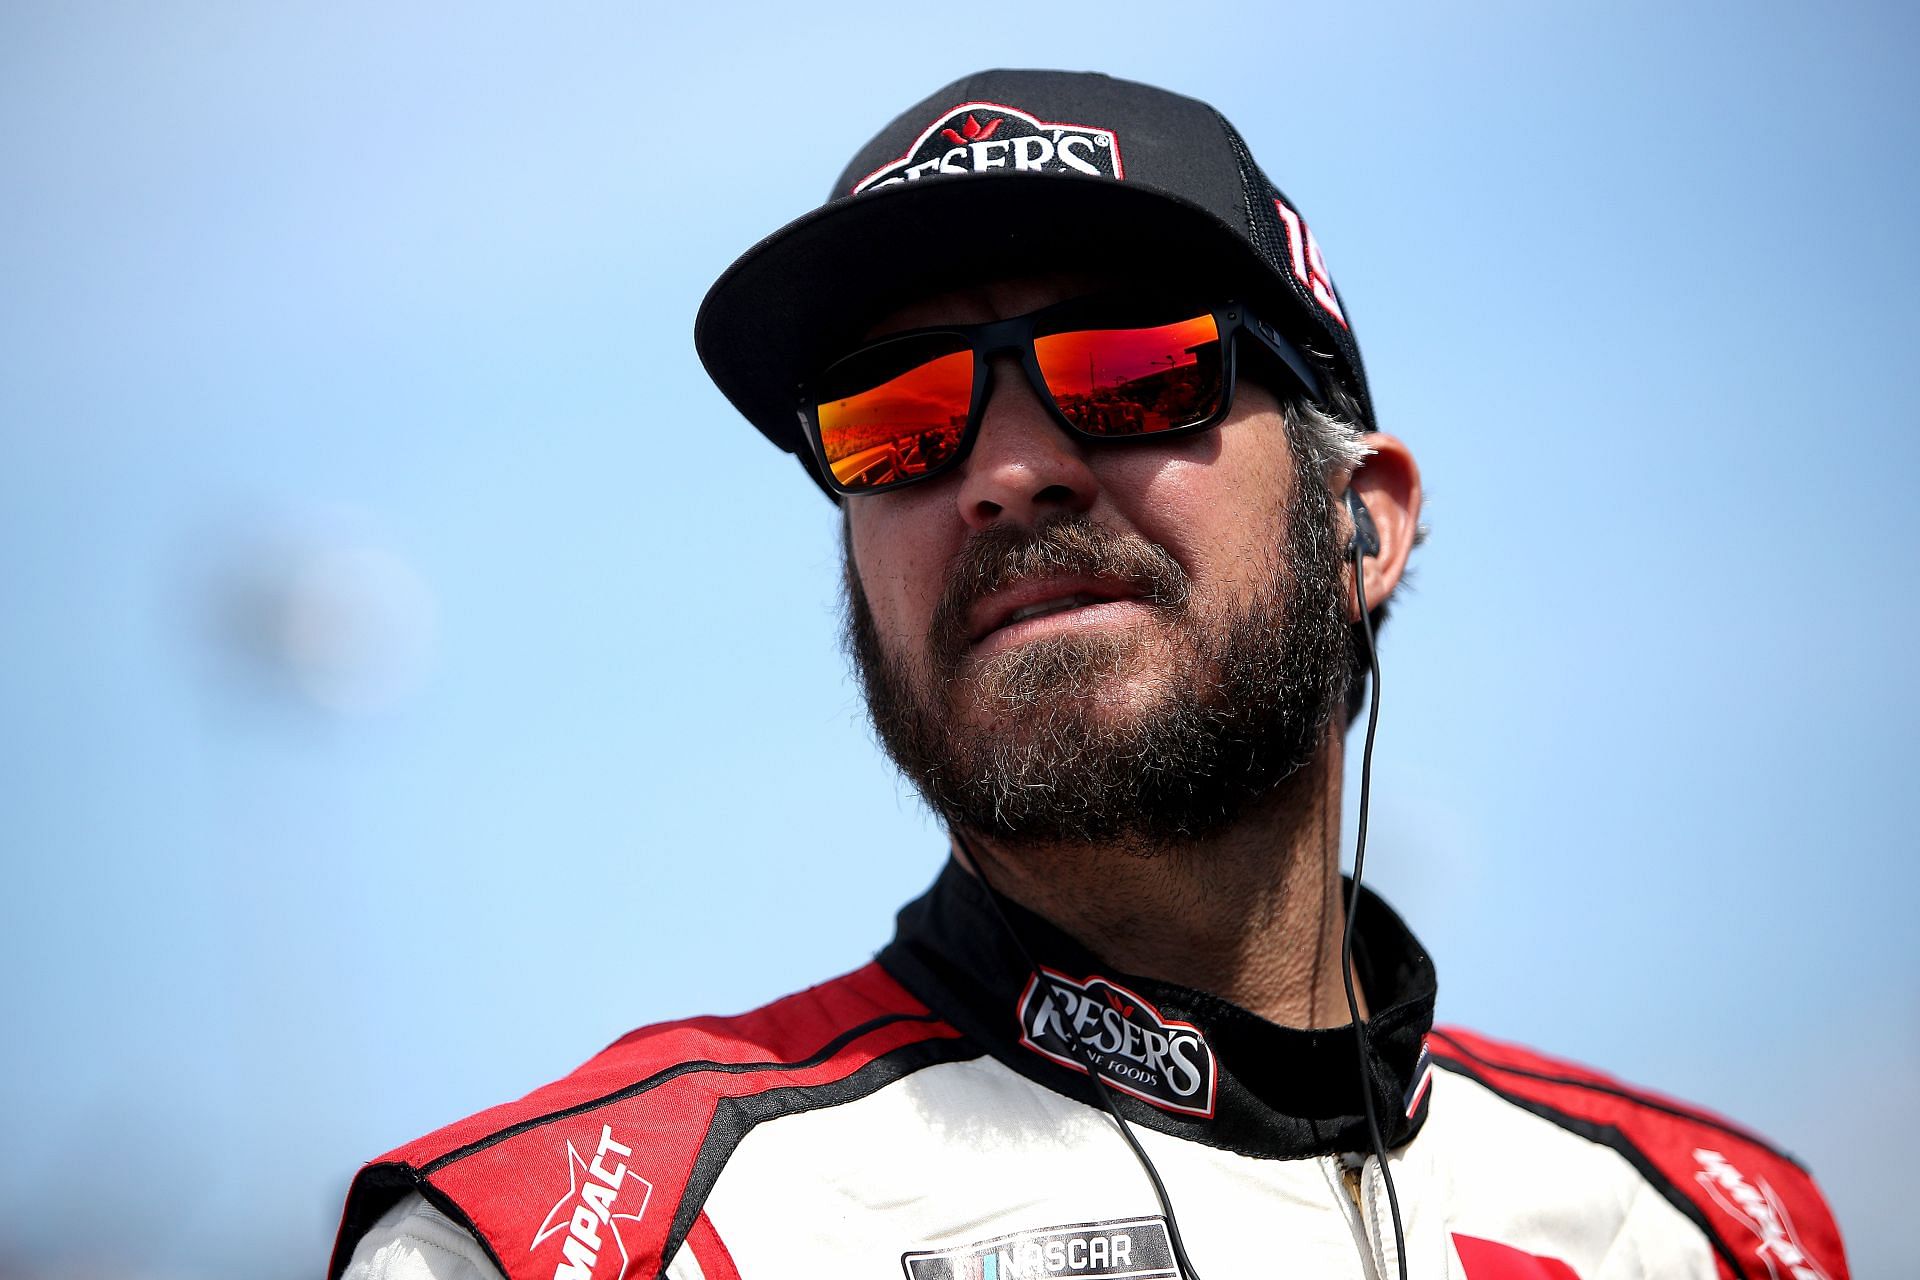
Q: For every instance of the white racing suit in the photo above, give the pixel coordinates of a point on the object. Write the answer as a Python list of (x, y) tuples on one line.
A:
[(927, 1116)]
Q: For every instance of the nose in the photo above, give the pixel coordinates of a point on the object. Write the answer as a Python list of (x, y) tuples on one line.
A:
[(1022, 467)]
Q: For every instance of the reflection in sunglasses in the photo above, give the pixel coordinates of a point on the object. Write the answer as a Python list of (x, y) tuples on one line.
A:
[(902, 427), (900, 409), (1134, 381)]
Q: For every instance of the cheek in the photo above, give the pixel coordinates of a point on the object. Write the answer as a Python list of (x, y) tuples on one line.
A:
[(1219, 510), (900, 565)]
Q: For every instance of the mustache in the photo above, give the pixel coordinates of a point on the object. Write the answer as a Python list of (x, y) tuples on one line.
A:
[(1069, 543)]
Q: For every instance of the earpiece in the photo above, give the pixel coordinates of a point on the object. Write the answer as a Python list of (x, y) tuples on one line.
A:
[(1366, 538), (1366, 542)]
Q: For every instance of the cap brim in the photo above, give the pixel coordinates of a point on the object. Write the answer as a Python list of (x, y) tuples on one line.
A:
[(774, 316)]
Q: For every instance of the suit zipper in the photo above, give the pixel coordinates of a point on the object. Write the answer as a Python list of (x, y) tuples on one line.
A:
[(1350, 1175), (1351, 1171)]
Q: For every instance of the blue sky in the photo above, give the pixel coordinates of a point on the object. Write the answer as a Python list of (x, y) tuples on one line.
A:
[(412, 675)]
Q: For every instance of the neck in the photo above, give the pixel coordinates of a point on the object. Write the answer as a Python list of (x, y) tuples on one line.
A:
[(1254, 915)]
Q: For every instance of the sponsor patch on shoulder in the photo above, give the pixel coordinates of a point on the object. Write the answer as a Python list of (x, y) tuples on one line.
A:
[(1134, 1248), (1756, 1205), (587, 1218), (1155, 1059), (977, 136)]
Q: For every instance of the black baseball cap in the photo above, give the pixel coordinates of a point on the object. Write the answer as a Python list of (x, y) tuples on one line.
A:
[(1011, 171)]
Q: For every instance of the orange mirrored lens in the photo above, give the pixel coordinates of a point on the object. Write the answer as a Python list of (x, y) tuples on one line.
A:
[(1119, 382), (901, 426)]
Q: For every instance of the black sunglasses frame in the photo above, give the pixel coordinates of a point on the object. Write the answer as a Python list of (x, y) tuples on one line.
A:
[(1016, 334)]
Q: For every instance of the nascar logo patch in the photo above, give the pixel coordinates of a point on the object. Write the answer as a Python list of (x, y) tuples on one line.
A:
[(1136, 1248)]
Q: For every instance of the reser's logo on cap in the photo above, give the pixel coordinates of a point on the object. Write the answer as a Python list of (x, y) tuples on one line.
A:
[(973, 131), (1135, 1049), (976, 137)]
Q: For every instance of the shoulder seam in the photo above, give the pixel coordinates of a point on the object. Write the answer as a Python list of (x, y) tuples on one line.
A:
[(674, 1072), (1461, 1055)]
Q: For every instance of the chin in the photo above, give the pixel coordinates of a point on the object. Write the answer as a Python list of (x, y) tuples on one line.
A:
[(1106, 676)]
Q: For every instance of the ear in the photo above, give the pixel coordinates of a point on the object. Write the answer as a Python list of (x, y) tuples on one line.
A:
[(1388, 481)]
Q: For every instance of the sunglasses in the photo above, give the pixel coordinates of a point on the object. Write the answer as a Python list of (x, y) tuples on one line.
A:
[(1110, 370)]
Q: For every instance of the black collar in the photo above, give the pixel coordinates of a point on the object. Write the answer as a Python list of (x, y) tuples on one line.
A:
[(1196, 1066)]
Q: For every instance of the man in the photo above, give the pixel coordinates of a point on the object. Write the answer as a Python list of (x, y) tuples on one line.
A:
[(1119, 525)]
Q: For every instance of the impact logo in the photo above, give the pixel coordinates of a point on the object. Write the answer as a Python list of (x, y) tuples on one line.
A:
[(597, 1200), (1167, 1063), (1309, 268), (1760, 1210), (1136, 1248), (976, 137)]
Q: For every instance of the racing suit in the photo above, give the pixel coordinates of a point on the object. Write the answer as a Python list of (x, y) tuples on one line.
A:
[(930, 1114)]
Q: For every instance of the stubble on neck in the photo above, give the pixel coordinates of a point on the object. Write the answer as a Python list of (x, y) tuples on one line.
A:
[(1253, 914)]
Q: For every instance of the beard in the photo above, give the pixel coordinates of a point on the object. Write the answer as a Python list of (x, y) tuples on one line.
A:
[(1143, 737)]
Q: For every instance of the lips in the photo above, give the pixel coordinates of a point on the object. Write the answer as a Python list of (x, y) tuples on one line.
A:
[(1046, 607), (1039, 597), (1065, 574)]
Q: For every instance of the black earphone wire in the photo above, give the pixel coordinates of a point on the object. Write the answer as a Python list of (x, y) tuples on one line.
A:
[(1353, 903)]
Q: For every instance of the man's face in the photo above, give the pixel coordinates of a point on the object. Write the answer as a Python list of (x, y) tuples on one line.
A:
[(1122, 643)]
